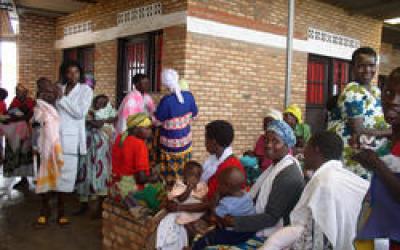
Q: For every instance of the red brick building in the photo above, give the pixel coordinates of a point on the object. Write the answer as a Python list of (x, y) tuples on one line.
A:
[(232, 52)]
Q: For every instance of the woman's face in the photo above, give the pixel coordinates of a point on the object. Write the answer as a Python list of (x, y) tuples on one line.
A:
[(144, 85), (275, 148), (73, 74), (290, 119), (364, 68), (48, 94), (391, 103), (21, 93), (144, 133), (211, 145)]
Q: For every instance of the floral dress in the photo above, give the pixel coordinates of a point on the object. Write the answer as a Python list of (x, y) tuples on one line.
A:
[(357, 102)]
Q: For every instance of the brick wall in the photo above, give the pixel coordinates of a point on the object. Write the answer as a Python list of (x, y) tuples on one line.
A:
[(389, 58), (105, 68), (35, 43), (238, 81)]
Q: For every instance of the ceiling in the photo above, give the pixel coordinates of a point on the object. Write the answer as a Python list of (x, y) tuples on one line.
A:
[(50, 7), (380, 9)]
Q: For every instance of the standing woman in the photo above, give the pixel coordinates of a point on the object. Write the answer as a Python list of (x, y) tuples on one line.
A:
[(72, 108), (175, 113), (137, 101)]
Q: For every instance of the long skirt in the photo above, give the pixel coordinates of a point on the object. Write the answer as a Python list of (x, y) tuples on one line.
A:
[(94, 168), (172, 164), (66, 182)]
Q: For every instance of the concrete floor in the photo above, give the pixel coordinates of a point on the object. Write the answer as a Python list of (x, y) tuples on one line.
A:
[(17, 232)]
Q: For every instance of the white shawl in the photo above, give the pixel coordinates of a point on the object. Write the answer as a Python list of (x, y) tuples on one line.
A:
[(333, 196), (210, 166), (263, 186)]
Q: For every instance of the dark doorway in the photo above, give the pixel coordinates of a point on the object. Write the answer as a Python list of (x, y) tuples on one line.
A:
[(326, 78)]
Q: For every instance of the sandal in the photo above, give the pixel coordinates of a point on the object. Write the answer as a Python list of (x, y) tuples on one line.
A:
[(41, 221), (63, 221)]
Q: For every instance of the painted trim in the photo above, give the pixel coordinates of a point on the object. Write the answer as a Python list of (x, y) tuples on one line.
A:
[(139, 27), (212, 28), (205, 27)]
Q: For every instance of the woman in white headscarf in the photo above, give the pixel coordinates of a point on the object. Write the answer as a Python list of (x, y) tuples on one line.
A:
[(175, 113)]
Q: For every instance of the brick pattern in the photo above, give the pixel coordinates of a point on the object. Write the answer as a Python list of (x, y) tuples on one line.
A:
[(36, 56), (123, 232), (389, 58), (105, 68), (104, 13), (238, 90)]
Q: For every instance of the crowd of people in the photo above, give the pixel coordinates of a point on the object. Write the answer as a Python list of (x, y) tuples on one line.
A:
[(338, 189)]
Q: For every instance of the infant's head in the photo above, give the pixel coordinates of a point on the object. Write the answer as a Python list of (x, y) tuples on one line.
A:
[(192, 173), (230, 181), (100, 102)]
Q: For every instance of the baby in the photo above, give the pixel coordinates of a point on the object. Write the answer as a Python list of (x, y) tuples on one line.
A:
[(102, 115), (171, 233), (233, 201)]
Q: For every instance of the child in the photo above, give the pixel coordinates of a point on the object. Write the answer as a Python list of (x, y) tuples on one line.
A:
[(47, 142), (233, 202), (171, 234), (250, 163)]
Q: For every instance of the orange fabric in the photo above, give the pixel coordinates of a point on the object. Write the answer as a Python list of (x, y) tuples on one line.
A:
[(213, 181), (130, 158)]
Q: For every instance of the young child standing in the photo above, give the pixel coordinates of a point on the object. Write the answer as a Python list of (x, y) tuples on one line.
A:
[(233, 201), (47, 142), (171, 233)]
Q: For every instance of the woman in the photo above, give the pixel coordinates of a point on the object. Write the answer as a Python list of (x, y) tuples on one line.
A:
[(18, 153), (137, 101), (175, 113), (380, 217), (259, 150), (322, 219), (130, 158), (72, 107), (277, 190), (219, 137), (94, 168), (302, 131), (361, 110)]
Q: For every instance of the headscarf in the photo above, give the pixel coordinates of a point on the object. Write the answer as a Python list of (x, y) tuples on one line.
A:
[(274, 114), (295, 111), (284, 131), (139, 120), (89, 80), (170, 79)]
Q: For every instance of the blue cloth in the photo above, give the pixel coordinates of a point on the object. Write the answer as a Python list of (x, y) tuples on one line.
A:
[(175, 132), (235, 206), (284, 131), (221, 236), (384, 217)]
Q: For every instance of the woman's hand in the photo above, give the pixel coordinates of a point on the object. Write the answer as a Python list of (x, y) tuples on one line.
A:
[(368, 159)]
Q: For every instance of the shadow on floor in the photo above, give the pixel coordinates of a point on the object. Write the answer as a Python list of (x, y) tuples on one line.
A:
[(17, 231)]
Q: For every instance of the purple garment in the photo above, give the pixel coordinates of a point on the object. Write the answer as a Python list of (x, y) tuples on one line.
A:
[(384, 219)]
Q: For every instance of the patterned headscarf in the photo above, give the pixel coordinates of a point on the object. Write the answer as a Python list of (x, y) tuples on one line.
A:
[(273, 113), (139, 120), (284, 131), (170, 79), (295, 111)]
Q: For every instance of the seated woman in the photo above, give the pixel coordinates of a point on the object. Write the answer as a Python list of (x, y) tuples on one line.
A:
[(18, 152), (322, 219), (130, 158), (259, 149), (277, 190), (302, 131), (219, 137)]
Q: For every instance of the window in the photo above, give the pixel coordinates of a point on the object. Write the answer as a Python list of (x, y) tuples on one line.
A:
[(139, 54), (326, 78), (83, 55)]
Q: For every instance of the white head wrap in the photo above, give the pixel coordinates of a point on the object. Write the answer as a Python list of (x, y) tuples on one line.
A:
[(170, 79), (275, 114)]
